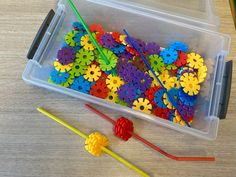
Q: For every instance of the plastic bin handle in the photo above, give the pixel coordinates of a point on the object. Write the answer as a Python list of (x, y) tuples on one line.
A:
[(226, 88), (39, 36)]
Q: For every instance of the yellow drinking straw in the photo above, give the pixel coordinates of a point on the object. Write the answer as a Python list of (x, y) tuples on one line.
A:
[(95, 143)]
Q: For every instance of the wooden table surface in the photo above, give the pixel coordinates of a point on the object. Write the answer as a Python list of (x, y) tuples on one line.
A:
[(32, 145)]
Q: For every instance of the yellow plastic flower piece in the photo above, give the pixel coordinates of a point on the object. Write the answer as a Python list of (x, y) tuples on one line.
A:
[(62, 68), (122, 39), (173, 83), (195, 60), (167, 102), (112, 96), (93, 73), (142, 105), (177, 119), (87, 43), (114, 82), (70, 39), (202, 73), (190, 84), (154, 81), (95, 142)]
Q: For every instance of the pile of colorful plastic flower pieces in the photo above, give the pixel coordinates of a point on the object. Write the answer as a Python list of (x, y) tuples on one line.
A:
[(125, 79)]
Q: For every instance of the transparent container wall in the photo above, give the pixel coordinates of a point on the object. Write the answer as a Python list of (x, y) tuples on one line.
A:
[(145, 27), (199, 11)]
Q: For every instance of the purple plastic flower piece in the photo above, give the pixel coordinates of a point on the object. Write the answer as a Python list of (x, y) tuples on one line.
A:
[(152, 48), (126, 56), (66, 55), (108, 41), (142, 81), (127, 93), (187, 111), (140, 44), (128, 73)]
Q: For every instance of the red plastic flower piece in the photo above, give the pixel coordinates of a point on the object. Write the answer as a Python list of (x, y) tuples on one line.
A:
[(116, 37), (98, 38), (132, 51), (150, 94), (182, 59), (96, 28), (99, 90), (161, 112)]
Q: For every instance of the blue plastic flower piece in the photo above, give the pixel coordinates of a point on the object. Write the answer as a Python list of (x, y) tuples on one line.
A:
[(78, 26), (187, 99), (180, 46), (59, 77), (158, 98), (169, 55), (119, 49), (82, 85)]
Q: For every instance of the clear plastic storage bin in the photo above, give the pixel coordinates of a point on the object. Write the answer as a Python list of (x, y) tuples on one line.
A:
[(153, 20)]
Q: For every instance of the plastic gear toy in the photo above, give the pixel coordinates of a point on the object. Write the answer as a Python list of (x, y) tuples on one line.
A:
[(161, 112), (70, 39), (142, 81), (62, 68), (113, 59), (154, 81), (138, 63), (127, 93), (150, 93), (156, 62), (190, 84), (171, 67), (173, 82), (93, 73), (81, 85), (114, 82), (142, 105), (112, 96), (187, 111), (66, 55), (100, 90), (158, 98), (78, 26), (152, 48), (195, 60), (96, 28), (180, 46), (78, 37), (132, 51), (186, 99), (108, 41), (122, 103), (78, 70), (116, 36), (87, 43), (123, 39), (85, 57), (169, 56), (118, 49), (183, 57), (175, 94), (202, 73), (68, 82), (98, 38), (59, 77)]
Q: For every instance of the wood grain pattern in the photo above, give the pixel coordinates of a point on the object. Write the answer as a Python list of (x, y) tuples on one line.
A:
[(34, 146)]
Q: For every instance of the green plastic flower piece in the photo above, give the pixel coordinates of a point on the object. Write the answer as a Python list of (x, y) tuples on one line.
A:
[(112, 58), (156, 62), (84, 57), (171, 67), (78, 69), (70, 39), (69, 81), (122, 103)]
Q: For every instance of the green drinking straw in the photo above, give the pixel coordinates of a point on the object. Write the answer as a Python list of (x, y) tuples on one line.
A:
[(89, 33)]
